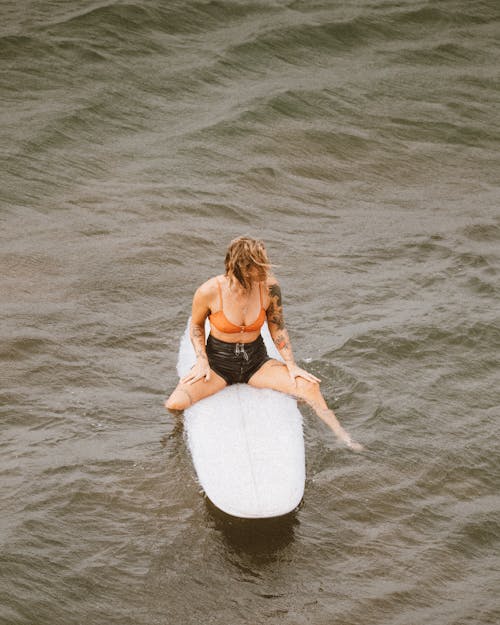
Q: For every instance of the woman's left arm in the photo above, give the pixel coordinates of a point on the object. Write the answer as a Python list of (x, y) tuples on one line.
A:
[(279, 333)]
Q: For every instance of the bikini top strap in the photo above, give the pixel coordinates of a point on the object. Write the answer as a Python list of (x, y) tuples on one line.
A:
[(220, 292)]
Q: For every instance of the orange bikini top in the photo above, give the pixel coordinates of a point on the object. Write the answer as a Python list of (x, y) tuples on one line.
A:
[(222, 323)]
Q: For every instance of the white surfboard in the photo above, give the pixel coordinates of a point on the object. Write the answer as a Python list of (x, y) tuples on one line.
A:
[(246, 444)]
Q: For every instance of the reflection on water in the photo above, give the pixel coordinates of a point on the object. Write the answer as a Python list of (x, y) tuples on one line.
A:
[(175, 434), (262, 539)]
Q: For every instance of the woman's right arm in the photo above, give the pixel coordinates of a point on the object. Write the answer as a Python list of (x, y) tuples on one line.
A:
[(199, 312)]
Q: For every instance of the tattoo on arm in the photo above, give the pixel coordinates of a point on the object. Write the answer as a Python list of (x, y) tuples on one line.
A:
[(276, 323), (281, 341), (197, 332), (275, 293), (198, 340), (275, 310), (285, 349)]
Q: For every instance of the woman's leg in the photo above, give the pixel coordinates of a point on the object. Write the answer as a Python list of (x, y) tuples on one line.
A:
[(186, 394), (273, 374)]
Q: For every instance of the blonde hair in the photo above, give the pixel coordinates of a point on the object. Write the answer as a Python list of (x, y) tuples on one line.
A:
[(244, 254)]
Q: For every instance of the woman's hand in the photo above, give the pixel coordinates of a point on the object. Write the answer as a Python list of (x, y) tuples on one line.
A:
[(297, 372), (200, 370), (355, 446), (347, 440)]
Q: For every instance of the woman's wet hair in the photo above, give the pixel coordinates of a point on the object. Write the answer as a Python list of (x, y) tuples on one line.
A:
[(243, 255)]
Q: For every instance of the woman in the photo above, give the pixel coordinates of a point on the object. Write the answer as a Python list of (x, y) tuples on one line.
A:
[(237, 304)]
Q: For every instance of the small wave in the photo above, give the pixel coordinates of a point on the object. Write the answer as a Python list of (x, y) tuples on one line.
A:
[(322, 145), (24, 347), (477, 533), (174, 18), (124, 15), (422, 342), (427, 249), (298, 43), (222, 211), (25, 46), (436, 17), (482, 287), (441, 54), (442, 132), (483, 232), (470, 259)]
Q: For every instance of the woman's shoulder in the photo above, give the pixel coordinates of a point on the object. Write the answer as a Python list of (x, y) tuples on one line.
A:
[(209, 288), (272, 290), (271, 283)]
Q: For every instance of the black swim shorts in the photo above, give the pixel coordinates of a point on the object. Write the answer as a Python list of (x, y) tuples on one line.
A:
[(236, 362)]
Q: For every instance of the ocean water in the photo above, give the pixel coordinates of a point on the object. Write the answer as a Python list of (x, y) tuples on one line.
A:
[(360, 139)]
